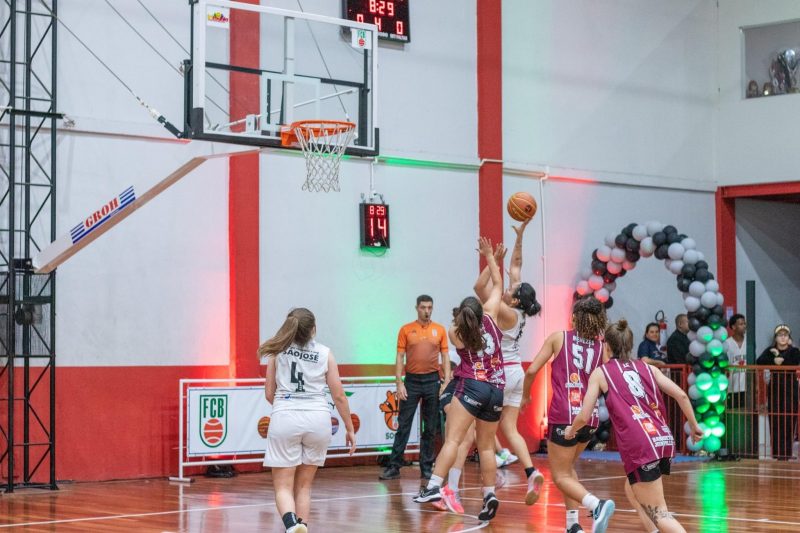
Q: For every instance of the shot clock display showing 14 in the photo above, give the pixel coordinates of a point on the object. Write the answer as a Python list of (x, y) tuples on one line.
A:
[(391, 17), (374, 225)]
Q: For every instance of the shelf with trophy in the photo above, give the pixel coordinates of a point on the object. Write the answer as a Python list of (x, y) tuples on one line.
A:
[(771, 59)]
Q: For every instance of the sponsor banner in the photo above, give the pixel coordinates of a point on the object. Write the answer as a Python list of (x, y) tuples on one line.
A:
[(235, 420), (102, 215), (218, 17)]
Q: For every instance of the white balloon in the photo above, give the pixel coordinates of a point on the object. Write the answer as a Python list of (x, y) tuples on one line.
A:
[(693, 446), (720, 299), (583, 287), (647, 247), (604, 253), (700, 256), (705, 334), (692, 335), (667, 263), (696, 348), (687, 428), (676, 266), (586, 273), (713, 345), (709, 299), (694, 392), (601, 294), (653, 227), (639, 232), (712, 285), (614, 268), (721, 334), (601, 401), (689, 243), (691, 257), (595, 282), (628, 265), (676, 251), (691, 379), (692, 303), (611, 287), (611, 240), (602, 413), (618, 255), (697, 289)]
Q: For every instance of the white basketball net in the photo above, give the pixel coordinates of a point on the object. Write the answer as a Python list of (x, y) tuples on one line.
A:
[(323, 144)]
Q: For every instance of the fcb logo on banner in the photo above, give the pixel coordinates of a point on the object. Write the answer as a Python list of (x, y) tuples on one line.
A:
[(214, 419), (390, 409)]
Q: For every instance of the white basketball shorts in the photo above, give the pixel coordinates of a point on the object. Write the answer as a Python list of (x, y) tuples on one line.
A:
[(298, 437)]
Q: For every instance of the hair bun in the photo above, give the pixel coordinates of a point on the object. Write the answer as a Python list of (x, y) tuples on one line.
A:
[(622, 324)]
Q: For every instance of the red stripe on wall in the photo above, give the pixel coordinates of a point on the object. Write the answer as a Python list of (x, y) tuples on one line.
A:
[(243, 198), (726, 247)]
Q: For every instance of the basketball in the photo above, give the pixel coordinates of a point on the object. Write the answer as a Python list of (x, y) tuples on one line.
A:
[(334, 425), (213, 432), (356, 422), (263, 426), (521, 206)]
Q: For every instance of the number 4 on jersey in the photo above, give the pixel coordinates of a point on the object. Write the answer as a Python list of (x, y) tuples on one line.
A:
[(297, 377)]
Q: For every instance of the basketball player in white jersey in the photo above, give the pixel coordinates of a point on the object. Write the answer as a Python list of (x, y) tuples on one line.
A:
[(518, 302), (298, 371)]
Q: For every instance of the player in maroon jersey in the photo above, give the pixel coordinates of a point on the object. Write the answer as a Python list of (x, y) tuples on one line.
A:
[(577, 353), (479, 383), (635, 405)]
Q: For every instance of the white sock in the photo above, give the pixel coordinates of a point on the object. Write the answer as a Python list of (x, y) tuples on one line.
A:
[(590, 501), (453, 478), (435, 481), (572, 517), (487, 491)]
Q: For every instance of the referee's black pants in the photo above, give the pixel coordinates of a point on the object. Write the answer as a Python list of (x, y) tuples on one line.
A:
[(420, 388)]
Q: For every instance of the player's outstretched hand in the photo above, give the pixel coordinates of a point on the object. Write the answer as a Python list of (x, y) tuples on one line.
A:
[(500, 253), (519, 230), (485, 246), (350, 439)]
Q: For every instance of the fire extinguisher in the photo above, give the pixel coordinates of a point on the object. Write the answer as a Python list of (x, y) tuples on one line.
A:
[(662, 331)]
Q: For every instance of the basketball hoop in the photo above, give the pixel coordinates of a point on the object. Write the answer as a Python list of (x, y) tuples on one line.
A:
[(323, 143)]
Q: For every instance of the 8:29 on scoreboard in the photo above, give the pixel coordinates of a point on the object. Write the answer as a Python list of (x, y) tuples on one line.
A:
[(390, 16), (374, 225)]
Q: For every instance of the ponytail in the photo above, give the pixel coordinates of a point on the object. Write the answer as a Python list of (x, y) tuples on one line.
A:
[(467, 319), (298, 328), (526, 299), (619, 338)]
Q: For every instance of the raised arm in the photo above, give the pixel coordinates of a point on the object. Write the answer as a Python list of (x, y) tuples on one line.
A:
[(515, 266), (550, 347), (597, 384), (271, 384), (670, 388), (483, 285), (340, 400), (491, 306)]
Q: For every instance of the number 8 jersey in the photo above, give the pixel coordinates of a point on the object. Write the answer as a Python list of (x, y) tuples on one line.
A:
[(570, 372), (301, 377)]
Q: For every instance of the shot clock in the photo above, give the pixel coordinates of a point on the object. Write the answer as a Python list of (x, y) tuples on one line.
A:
[(390, 16), (374, 225)]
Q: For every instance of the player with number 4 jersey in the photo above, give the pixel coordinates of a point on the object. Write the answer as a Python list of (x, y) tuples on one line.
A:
[(635, 405), (299, 369), (577, 353)]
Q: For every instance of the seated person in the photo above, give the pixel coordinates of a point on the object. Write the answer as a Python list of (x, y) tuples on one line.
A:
[(648, 349)]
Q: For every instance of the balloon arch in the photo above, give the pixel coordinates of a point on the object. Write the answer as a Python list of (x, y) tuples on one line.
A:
[(707, 383)]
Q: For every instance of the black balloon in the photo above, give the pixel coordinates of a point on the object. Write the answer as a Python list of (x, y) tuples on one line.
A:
[(698, 369), (659, 238), (701, 264), (576, 296), (603, 436), (673, 238), (662, 252), (622, 273), (608, 277), (628, 230), (688, 271), (632, 256), (718, 310), (621, 240), (594, 255), (598, 267), (701, 274), (670, 229), (695, 324), (710, 276), (714, 320), (703, 314), (682, 236), (632, 245), (608, 303), (683, 285)]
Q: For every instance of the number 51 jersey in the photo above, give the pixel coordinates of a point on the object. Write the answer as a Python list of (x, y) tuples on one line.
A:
[(301, 376), (570, 373)]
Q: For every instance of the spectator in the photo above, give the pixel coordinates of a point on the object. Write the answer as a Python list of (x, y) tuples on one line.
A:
[(782, 390), (422, 351), (678, 342), (736, 349), (648, 349)]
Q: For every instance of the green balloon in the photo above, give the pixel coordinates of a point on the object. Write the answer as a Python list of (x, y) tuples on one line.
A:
[(713, 395), (704, 381), (715, 371), (707, 360), (711, 444), (722, 383), (703, 405), (711, 419), (718, 430), (719, 407)]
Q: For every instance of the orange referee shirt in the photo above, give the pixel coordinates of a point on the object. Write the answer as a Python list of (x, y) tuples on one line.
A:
[(422, 345)]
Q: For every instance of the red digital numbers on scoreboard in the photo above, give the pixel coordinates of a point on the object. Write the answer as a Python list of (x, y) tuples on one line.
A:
[(390, 16), (374, 225)]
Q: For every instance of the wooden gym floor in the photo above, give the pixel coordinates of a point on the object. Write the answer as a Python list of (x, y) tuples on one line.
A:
[(711, 497)]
